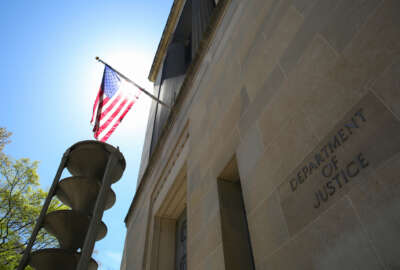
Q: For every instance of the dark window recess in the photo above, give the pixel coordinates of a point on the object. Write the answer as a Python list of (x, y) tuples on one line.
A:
[(174, 68), (181, 239), (188, 51), (201, 14), (235, 234), (189, 31)]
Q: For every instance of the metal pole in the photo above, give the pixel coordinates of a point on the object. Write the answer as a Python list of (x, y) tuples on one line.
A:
[(135, 84), (90, 238), (39, 222)]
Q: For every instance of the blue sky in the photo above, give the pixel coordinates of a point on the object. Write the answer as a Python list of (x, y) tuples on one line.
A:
[(49, 80)]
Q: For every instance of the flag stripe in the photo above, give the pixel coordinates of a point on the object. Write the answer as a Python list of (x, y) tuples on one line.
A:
[(113, 107), (110, 107), (109, 120), (115, 119), (111, 113), (95, 106), (105, 138), (112, 104), (118, 116)]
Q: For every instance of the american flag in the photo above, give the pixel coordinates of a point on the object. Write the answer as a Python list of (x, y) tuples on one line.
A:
[(114, 100)]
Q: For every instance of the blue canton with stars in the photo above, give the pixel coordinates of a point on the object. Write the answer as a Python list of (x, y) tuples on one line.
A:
[(111, 82)]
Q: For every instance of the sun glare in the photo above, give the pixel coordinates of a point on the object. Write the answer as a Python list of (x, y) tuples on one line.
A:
[(135, 65)]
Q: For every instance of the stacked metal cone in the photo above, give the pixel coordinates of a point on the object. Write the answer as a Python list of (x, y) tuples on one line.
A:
[(86, 162)]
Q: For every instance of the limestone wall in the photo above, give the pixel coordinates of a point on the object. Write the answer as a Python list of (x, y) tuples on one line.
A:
[(306, 95)]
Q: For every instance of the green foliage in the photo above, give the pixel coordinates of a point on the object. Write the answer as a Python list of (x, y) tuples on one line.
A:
[(4, 137), (21, 201)]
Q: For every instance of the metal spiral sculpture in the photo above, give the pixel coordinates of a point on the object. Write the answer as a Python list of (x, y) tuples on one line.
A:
[(94, 166)]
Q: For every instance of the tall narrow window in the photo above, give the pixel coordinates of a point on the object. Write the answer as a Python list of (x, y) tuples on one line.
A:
[(176, 62), (181, 229), (235, 234), (168, 242)]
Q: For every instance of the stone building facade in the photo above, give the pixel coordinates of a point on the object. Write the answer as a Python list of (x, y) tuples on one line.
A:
[(282, 147)]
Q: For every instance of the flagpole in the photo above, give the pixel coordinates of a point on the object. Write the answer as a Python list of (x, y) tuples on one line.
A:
[(135, 84)]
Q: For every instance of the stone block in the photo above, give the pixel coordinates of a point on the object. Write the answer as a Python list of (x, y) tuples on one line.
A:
[(245, 100), (276, 113), (295, 140), (387, 87), (199, 155), (136, 238), (318, 58), (329, 103), (273, 18), (346, 21), (320, 14), (262, 181), (249, 151), (322, 99), (336, 240), (248, 26), (204, 183), (194, 173), (194, 255), (229, 79), (204, 244), (195, 197), (264, 96), (210, 203), (372, 50), (229, 119), (368, 135), (215, 261), (377, 202), (223, 153), (196, 115), (264, 56), (304, 6), (196, 125), (267, 228), (214, 108), (207, 206), (212, 234), (293, 135), (195, 222)]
